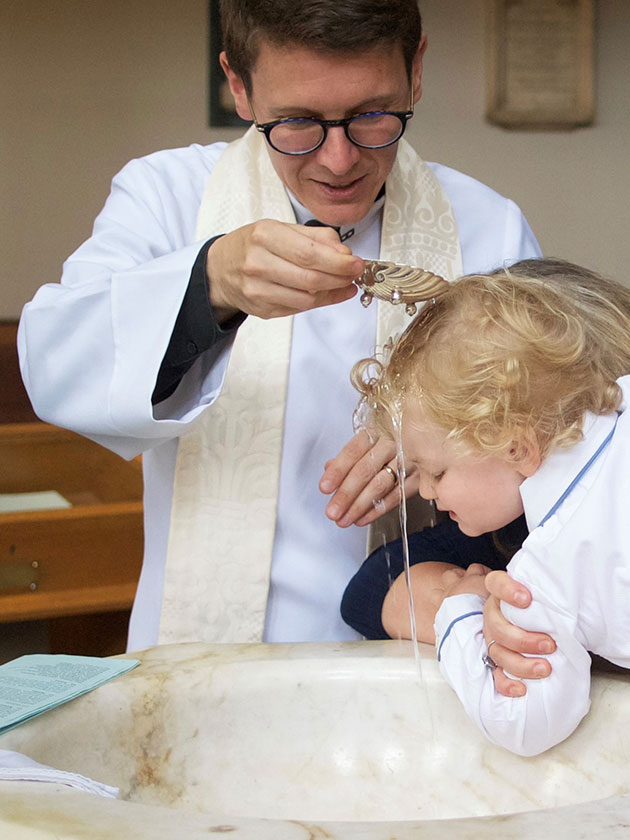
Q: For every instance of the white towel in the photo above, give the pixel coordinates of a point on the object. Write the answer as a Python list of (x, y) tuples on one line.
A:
[(20, 768)]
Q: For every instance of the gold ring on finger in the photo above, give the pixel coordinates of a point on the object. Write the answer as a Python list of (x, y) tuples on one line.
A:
[(392, 472)]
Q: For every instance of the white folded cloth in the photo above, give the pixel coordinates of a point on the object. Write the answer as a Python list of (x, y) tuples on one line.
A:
[(17, 767)]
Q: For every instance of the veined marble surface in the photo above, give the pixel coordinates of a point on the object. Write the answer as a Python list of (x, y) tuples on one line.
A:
[(351, 740)]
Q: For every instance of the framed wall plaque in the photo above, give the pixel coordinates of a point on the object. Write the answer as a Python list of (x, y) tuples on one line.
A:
[(540, 63), (222, 111)]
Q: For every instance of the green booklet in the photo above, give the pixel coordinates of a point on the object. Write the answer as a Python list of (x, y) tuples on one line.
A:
[(30, 685)]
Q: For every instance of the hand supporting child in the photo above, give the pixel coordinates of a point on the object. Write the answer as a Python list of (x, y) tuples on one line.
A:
[(512, 642), (476, 580)]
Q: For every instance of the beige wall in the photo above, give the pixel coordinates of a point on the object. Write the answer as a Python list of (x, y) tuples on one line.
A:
[(88, 84), (574, 186)]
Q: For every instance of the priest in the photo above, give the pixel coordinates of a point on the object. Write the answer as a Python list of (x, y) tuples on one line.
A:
[(211, 320)]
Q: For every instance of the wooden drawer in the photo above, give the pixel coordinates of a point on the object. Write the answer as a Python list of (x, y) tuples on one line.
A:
[(37, 456), (82, 559)]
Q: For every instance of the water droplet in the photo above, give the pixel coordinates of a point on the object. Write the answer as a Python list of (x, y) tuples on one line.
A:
[(379, 506)]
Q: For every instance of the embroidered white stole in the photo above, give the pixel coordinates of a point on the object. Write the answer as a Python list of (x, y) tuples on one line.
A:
[(225, 491)]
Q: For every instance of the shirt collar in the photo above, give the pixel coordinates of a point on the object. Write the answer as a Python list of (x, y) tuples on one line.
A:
[(543, 489), (346, 232)]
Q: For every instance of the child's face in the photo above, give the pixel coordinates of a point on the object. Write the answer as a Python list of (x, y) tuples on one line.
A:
[(480, 492)]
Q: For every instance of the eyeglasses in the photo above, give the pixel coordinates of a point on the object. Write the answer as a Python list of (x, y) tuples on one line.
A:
[(302, 135)]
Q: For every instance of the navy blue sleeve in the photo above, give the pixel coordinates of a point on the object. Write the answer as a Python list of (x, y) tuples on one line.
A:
[(362, 602), (196, 330)]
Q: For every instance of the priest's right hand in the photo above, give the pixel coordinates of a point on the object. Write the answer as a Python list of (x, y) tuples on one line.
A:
[(271, 269)]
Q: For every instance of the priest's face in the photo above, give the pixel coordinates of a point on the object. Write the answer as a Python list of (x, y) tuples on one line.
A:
[(338, 182)]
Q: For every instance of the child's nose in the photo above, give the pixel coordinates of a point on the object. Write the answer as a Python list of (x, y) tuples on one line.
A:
[(426, 488)]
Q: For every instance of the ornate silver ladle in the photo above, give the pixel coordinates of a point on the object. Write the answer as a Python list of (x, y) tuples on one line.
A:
[(397, 284)]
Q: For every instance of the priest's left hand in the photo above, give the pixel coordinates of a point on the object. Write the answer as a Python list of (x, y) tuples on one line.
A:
[(363, 489)]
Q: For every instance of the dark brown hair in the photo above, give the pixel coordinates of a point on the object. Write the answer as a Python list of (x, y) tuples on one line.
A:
[(322, 25)]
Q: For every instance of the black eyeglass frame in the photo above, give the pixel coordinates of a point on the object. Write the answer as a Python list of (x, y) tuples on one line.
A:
[(267, 128)]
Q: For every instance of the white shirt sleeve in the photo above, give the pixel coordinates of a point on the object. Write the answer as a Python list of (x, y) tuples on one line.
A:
[(520, 242), (552, 707), (492, 229), (99, 336)]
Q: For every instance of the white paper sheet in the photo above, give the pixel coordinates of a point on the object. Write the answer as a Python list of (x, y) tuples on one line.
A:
[(30, 685), (42, 500)]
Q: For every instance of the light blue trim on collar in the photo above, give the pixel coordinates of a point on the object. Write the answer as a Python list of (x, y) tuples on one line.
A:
[(581, 473)]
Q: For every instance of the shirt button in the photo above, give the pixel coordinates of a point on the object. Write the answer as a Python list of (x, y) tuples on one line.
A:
[(192, 348)]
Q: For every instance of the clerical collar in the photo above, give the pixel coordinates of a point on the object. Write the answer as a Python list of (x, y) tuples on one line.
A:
[(303, 214)]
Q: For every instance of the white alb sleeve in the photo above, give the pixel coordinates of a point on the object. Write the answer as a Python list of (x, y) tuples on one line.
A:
[(91, 346)]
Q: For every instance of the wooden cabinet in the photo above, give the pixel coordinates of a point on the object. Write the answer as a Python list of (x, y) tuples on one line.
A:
[(82, 559), (76, 567)]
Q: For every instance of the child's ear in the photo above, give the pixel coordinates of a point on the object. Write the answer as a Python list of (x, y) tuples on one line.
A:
[(524, 455)]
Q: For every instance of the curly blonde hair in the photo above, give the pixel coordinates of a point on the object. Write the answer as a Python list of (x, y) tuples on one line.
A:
[(494, 359)]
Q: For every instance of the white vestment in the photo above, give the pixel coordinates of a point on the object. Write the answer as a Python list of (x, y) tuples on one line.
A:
[(91, 347), (228, 468)]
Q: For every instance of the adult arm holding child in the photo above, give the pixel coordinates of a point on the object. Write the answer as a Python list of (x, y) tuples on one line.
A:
[(377, 598)]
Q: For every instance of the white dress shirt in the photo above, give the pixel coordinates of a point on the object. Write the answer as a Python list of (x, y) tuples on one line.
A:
[(91, 348), (577, 567)]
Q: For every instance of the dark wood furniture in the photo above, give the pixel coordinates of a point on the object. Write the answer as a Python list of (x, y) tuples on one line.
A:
[(77, 567)]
